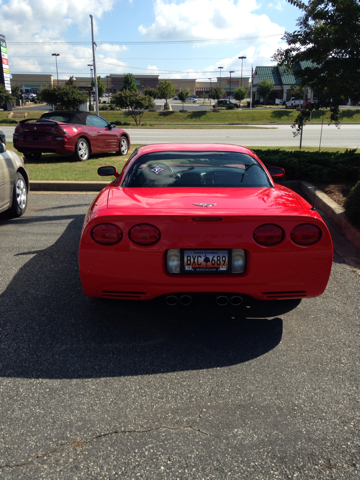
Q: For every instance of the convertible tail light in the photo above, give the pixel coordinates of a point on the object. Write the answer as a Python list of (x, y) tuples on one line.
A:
[(305, 234), (58, 129), (18, 128), (106, 233), (268, 234), (144, 234)]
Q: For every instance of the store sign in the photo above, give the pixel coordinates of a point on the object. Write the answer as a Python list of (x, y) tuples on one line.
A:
[(4, 65)]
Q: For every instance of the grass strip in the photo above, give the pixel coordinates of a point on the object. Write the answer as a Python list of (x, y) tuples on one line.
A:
[(223, 117)]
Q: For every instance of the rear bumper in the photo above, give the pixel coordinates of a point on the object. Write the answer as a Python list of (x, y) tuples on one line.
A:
[(49, 147)]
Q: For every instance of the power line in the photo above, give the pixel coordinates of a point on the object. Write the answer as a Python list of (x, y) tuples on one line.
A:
[(154, 42)]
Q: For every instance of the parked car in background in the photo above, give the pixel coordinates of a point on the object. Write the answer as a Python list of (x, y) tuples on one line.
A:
[(2, 137), (187, 219), (225, 103), (14, 183), (69, 133), (293, 103), (176, 97)]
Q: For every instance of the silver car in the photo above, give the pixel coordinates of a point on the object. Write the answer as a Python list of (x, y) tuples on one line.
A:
[(14, 183)]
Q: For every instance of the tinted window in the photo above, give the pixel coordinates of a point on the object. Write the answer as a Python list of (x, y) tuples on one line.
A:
[(97, 121), (56, 118), (196, 169)]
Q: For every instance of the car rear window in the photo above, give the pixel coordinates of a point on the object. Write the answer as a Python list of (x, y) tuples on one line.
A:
[(56, 118), (196, 169)]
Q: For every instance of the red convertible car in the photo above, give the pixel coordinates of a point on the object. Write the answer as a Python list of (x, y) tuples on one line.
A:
[(183, 219), (69, 133)]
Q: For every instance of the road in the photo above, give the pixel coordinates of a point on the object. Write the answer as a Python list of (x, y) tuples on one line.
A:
[(109, 390), (348, 136)]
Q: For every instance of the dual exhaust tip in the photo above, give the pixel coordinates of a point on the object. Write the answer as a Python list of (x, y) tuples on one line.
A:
[(221, 300)]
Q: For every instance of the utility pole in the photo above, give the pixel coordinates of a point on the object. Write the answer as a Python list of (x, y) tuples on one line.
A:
[(57, 71), (94, 64), (232, 71), (242, 61), (210, 90)]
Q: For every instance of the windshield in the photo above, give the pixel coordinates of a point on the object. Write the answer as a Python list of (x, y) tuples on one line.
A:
[(196, 169)]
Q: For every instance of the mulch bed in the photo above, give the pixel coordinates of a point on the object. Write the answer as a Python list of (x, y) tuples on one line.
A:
[(337, 192)]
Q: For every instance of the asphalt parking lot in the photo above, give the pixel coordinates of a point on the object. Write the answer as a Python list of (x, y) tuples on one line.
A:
[(95, 389)]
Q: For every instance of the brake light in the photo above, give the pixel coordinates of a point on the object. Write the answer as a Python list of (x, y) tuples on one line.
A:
[(18, 128), (106, 233), (305, 234), (268, 234), (144, 234), (58, 129)]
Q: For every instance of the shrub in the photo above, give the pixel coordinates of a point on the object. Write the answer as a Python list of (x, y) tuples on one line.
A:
[(352, 205), (230, 107)]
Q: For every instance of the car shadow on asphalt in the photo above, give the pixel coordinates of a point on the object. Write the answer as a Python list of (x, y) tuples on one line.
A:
[(50, 329)]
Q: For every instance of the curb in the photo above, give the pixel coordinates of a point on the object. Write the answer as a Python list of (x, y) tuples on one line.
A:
[(314, 196)]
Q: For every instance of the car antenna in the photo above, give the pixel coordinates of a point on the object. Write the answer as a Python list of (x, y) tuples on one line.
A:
[(314, 197)]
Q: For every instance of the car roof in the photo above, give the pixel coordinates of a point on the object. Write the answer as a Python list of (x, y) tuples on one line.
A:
[(77, 117), (193, 147)]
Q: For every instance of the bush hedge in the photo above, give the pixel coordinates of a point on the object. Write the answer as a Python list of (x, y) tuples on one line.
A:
[(322, 167), (352, 205)]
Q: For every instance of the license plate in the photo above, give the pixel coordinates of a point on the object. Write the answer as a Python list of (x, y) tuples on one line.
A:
[(206, 261)]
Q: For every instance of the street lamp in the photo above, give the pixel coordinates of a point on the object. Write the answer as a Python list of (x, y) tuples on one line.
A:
[(242, 60), (57, 73), (232, 71), (220, 74), (210, 90), (107, 83), (91, 78)]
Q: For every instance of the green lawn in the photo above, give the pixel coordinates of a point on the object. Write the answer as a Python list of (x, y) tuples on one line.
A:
[(57, 167), (255, 116)]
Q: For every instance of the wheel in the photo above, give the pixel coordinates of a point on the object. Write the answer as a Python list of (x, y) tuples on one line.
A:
[(32, 156), (20, 196), (123, 146), (82, 150)]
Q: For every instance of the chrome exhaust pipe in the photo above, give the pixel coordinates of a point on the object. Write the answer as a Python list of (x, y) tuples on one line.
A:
[(236, 300), (171, 300), (185, 300), (222, 300)]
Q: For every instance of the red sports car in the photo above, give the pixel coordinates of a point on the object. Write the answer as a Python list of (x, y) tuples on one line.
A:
[(69, 133), (183, 219)]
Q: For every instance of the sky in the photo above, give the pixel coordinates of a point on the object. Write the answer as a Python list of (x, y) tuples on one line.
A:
[(170, 38)]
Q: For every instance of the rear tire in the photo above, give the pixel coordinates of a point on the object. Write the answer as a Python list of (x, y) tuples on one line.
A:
[(123, 146), (82, 150), (20, 197), (32, 156)]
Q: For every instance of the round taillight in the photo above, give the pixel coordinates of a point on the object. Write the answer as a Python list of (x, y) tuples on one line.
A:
[(106, 233), (268, 234), (306, 234), (144, 234)]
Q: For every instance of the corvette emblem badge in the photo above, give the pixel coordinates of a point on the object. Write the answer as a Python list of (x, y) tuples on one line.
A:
[(157, 170), (204, 204)]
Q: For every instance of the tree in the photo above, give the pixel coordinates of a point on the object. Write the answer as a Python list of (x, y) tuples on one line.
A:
[(135, 103), (240, 93), (5, 96), (63, 97), (166, 89), (71, 82), (100, 85), (216, 93), (129, 83), (15, 91), (326, 45), (183, 95), (150, 92), (264, 88)]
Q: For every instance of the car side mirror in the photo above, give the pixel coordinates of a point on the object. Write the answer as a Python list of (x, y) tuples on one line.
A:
[(2, 148), (276, 172), (107, 171), (111, 126)]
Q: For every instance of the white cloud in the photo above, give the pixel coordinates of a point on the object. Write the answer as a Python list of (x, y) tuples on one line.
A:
[(209, 20), (277, 6)]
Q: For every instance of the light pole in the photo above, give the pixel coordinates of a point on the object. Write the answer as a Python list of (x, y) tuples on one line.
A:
[(57, 73), (107, 83), (220, 74), (232, 71), (91, 77), (210, 90), (242, 60)]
